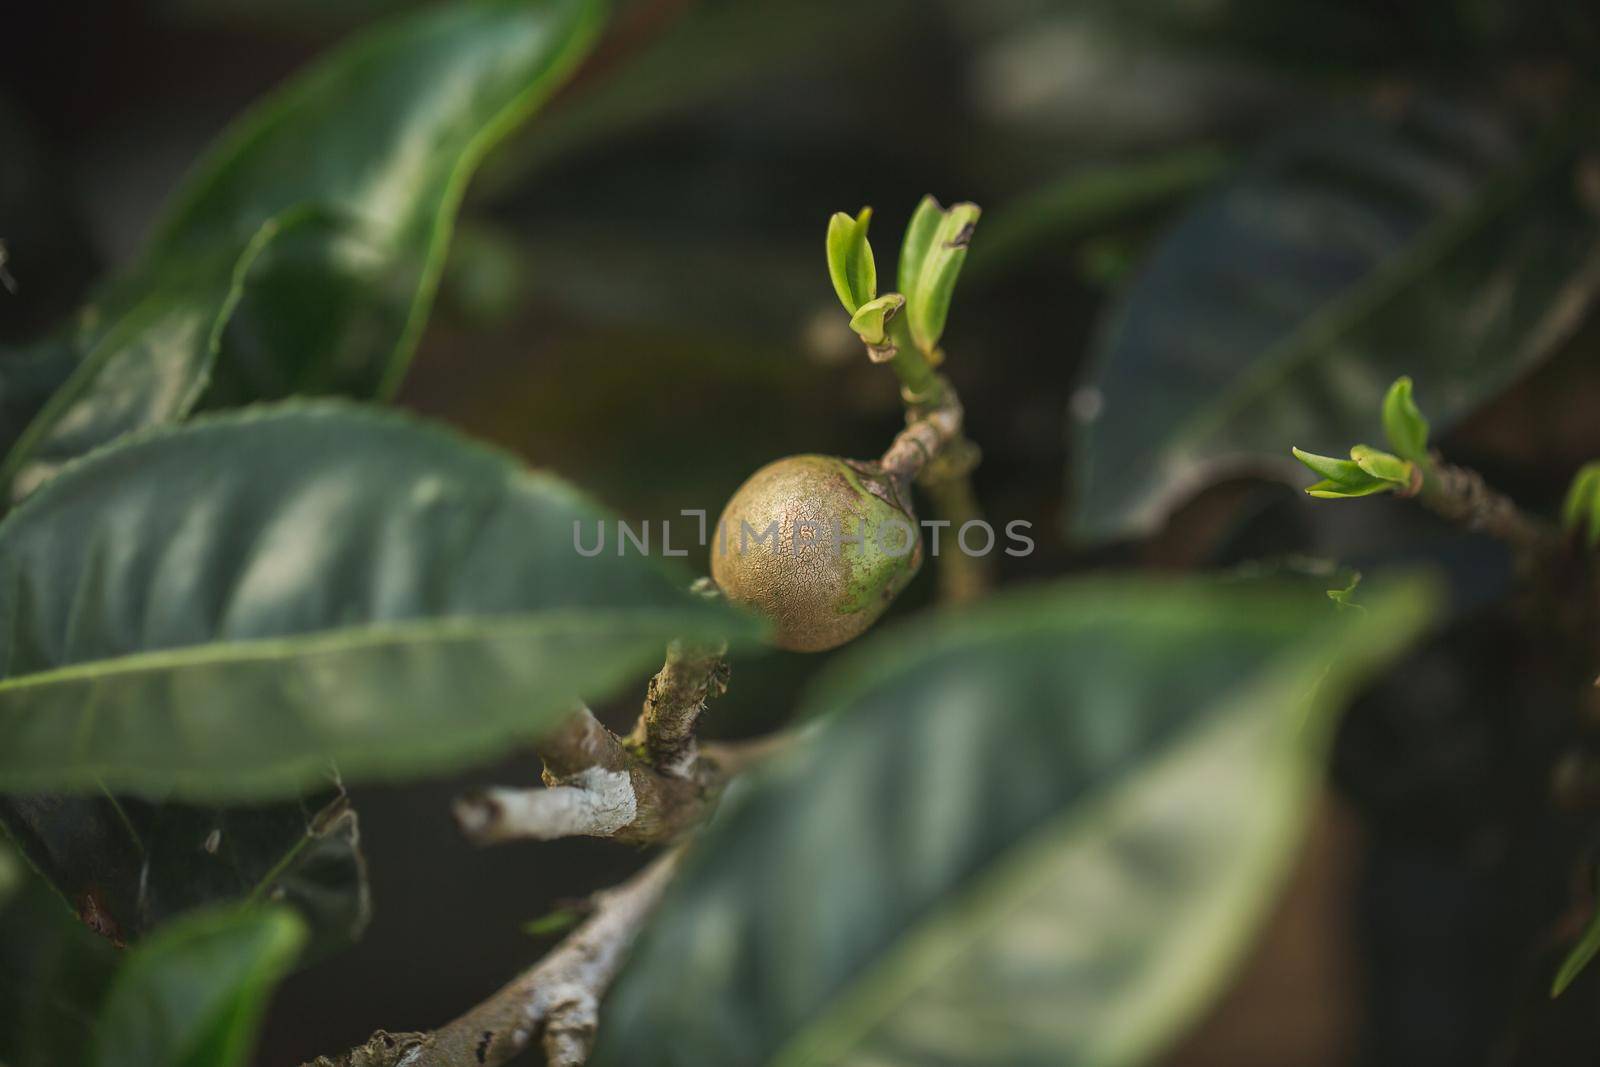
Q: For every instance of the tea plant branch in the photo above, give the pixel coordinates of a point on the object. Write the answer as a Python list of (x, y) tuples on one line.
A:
[(943, 466), (928, 435), (645, 788), (1457, 494), (903, 329), (595, 786), (557, 1000), (1460, 495), (694, 672)]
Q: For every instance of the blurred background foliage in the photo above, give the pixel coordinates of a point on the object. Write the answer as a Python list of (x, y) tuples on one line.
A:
[(1189, 206)]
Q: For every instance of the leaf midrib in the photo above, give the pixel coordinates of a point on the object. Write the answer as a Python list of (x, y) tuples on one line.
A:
[(453, 628)]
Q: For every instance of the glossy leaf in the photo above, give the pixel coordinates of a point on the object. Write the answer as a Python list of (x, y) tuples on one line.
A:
[(1286, 303), (352, 174), (1040, 833), (53, 977), (229, 608), (850, 264), (194, 994), (27, 380), (144, 863)]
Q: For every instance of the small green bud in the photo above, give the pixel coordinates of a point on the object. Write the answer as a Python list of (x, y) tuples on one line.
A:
[(871, 318), (850, 263), (1366, 472), (1580, 513), (1403, 423)]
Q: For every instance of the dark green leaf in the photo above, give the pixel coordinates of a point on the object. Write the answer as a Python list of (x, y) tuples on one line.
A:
[(225, 608), (27, 381), (53, 976), (1283, 307), (1040, 833), (194, 994), (169, 315), (352, 173), (145, 863)]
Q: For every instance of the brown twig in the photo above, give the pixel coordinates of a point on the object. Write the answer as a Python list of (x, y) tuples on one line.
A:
[(556, 1000), (934, 451), (595, 786), (664, 734), (1460, 495)]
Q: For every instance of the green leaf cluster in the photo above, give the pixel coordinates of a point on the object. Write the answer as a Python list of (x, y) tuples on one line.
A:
[(1369, 470), (1366, 472), (269, 276), (931, 256)]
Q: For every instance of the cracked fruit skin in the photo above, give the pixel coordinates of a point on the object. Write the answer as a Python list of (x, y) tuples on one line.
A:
[(815, 593)]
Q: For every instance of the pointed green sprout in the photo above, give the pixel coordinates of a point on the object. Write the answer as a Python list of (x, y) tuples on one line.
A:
[(871, 319), (850, 262), (1382, 464), (1370, 470), (1584, 951), (1366, 472), (1345, 597), (1580, 514), (1407, 430), (931, 256), (556, 922)]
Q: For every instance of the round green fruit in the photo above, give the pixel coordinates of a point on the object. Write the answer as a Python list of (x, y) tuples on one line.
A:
[(818, 545)]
